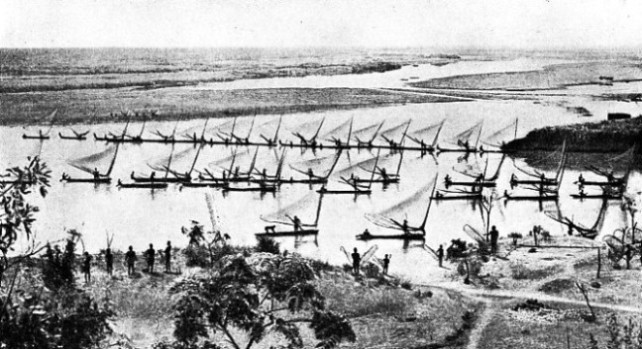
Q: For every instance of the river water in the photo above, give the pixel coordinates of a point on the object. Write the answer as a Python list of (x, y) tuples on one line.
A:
[(138, 217)]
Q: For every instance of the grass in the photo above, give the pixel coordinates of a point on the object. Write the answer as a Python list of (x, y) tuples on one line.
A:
[(77, 106), (549, 328), (522, 272)]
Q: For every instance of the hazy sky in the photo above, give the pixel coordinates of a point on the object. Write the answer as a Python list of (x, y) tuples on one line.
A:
[(440, 23)]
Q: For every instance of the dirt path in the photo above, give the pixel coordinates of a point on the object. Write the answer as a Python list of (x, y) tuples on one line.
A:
[(490, 308), (534, 295)]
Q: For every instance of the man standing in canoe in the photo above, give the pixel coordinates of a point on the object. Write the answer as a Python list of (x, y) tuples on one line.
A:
[(440, 255), (96, 174), (356, 261), (130, 260)]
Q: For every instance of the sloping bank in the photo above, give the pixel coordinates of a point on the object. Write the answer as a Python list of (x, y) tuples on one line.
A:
[(604, 137)]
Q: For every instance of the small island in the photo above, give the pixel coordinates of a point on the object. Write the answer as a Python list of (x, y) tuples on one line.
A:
[(609, 136)]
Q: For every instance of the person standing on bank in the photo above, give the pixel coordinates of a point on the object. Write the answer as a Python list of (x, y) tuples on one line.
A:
[(494, 236), (386, 263), (150, 256), (356, 260), (109, 261), (130, 259), (168, 257), (86, 267), (440, 255)]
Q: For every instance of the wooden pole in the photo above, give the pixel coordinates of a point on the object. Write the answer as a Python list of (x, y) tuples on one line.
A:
[(599, 262)]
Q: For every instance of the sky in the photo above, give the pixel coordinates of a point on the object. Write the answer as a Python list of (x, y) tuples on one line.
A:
[(519, 24)]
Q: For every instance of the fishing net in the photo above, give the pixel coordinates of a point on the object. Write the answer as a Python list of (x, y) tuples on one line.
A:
[(101, 160), (339, 132), (366, 165), (309, 129), (501, 136), (320, 167), (413, 208), (268, 129), (396, 133), (428, 135), (230, 161), (306, 208), (468, 136), (367, 133), (162, 164), (552, 160)]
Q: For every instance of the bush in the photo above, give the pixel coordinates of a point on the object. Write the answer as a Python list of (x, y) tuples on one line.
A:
[(266, 244)]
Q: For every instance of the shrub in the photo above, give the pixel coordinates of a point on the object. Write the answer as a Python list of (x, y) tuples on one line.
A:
[(266, 244), (256, 294)]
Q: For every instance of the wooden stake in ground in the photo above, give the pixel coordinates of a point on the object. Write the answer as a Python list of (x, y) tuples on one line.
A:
[(588, 304)]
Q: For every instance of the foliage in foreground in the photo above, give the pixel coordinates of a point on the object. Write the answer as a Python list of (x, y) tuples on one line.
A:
[(40, 311), (258, 294)]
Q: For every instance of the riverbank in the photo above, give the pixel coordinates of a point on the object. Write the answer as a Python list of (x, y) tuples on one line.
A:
[(529, 298), (614, 136), (102, 106), (556, 76)]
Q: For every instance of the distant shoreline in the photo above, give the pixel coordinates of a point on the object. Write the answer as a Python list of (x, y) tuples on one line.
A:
[(182, 104)]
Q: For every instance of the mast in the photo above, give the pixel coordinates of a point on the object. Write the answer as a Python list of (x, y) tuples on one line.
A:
[(198, 152), (249, 133), (399, 165), (434, 141), (142, 129), (350, 131), (276, 133), (113, 160), (336, 160), (377, 132), (481, 126), (405, 132), (316, 221), (374, 169), (516, 122), (279, 168), (318, 129), (432, 193), (252, 164), (204, 128), (169, 161)]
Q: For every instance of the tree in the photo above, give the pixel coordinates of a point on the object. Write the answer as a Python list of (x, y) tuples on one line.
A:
[(17, 215), (46, 311), (257, 294)]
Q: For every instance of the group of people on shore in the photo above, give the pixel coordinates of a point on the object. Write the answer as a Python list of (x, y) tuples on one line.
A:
[(130, 259)]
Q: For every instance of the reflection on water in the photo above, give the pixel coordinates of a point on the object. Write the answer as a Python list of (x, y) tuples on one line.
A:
[(138, 217)]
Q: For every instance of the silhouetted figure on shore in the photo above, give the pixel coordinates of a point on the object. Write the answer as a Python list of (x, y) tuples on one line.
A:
[(440, 254), (356, 261), (494, 236), (168, 257), (109, 261), (386, 263), (150, 256), (86, 267), (130, 260), (628, 255)]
